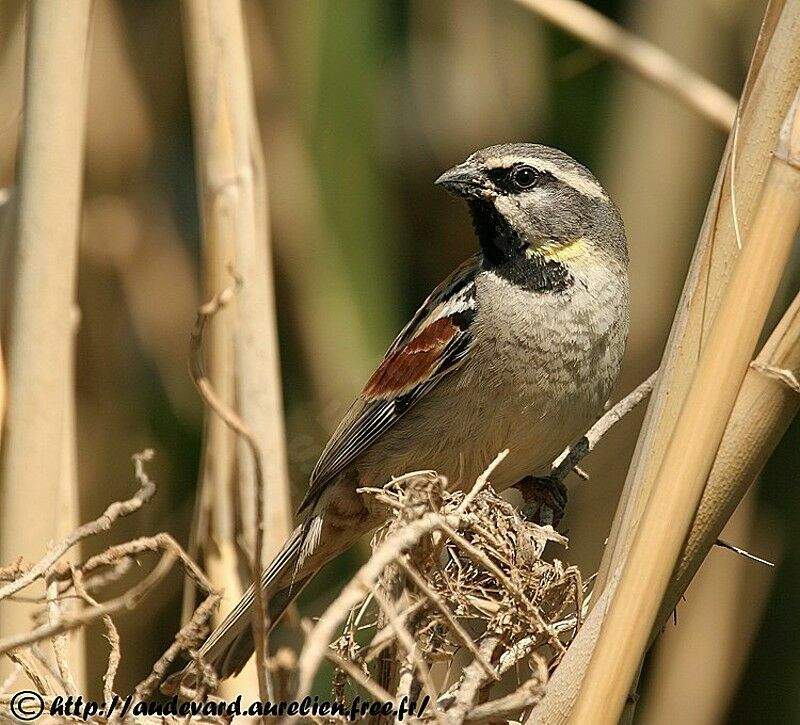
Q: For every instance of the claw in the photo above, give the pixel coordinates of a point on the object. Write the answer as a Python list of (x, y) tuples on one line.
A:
[(545, 499)]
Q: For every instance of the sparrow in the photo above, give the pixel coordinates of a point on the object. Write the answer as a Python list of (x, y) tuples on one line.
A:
[(517, 349)]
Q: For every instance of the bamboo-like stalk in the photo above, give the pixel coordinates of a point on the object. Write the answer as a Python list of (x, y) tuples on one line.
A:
[(695, 681), (770, 87), (3, 394), (690, 455), (232, 186), (767, 402), (647, 60), (39, 437), (768, 93), (214, 530)]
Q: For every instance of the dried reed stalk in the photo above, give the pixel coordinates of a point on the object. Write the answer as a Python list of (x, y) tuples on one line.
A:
[(3, 393), (213, 538), (701, 423), (642, 57), (772, 81), (38, 453), (767, 402), (771, 84), (233, 193)]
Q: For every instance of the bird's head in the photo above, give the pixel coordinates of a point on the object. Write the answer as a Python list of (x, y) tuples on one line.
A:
[(534, 201)]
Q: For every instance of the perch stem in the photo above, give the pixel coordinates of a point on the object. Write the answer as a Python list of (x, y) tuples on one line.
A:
[(701, 423)]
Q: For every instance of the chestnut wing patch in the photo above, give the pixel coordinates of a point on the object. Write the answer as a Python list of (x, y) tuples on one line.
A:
[(433, 344), (413, 363)]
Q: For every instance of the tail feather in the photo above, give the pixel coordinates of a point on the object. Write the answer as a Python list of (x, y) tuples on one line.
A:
[(229, 658), (231, 644)]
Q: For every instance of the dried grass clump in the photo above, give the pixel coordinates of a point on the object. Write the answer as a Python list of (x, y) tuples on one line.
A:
[(476, 595), (66, 582)]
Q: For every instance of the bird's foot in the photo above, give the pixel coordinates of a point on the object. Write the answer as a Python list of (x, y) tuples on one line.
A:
[(545, 499)]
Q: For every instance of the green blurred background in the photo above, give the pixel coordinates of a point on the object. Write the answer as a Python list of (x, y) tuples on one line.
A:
[(362, 103)]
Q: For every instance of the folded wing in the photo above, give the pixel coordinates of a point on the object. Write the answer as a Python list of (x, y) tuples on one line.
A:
[(432, 345)]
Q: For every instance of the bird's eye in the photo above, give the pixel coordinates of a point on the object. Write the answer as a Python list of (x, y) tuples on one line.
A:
[(524, 177)]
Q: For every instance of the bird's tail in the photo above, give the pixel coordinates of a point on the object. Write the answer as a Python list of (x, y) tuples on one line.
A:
[(229, 653), (230, 645)]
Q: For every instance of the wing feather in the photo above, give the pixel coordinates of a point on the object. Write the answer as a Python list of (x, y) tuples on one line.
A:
[(429, 347)]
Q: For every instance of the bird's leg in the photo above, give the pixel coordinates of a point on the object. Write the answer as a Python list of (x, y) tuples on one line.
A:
[(545, 499), (546, 496)]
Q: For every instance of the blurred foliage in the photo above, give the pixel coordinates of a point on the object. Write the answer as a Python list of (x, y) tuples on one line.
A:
[(362, 104)]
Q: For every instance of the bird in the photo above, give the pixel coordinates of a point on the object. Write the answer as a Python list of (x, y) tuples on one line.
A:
[(518, 348)]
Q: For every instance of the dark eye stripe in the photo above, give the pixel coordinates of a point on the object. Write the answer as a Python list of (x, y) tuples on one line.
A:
[(503, 178)]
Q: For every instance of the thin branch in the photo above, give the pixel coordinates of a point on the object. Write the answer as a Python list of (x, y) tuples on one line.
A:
[(357, 676), (480, 558), (408, 644), (27, 664), (571, 458), (648, 61), (473, 680), (112, 635), (481, 481), (506, 708), (742, 552), (458, 630), (385, 636), (201, 380), (116, 510), (130, 549), (188, 636), (59, 641), (362, 583), (73, 620)]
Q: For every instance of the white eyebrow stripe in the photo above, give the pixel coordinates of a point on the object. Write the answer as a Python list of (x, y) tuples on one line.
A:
[(580, 183)]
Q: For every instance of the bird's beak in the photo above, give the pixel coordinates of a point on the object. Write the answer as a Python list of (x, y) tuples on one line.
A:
[(462, 180)]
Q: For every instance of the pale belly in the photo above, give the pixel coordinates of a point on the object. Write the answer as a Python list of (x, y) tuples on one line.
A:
[(460, 440)]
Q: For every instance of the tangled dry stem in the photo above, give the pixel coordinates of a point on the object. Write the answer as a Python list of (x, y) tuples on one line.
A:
[(473, 590), (456, 578), (67, 581)]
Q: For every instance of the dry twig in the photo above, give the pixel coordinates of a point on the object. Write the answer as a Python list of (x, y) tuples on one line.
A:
[(642, 57), (147, 490), (201, 380), (74, 620), (112, 635), (64, 577)]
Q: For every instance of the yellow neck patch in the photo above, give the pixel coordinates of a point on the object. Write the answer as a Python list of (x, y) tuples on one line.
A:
[(562, 251)]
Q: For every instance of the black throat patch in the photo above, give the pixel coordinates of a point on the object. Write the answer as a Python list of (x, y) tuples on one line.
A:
[(504, 253)]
